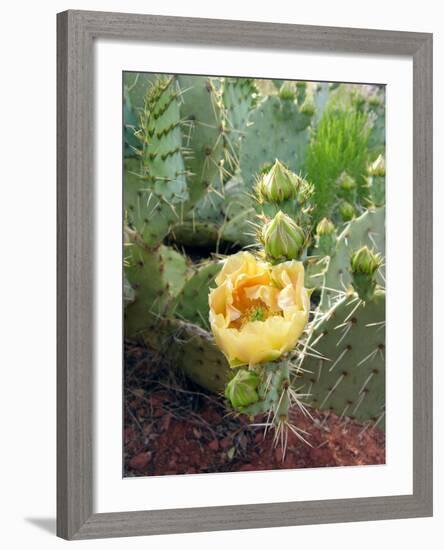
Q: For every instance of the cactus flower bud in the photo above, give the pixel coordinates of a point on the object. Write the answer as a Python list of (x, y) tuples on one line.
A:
[(377, 168), (364, 264), (325, 237), (283, 239), (346, 182), (347, 211), (241, 391), (365, 261), (308, 106), (279, 184), (325, 227), (287, 91)]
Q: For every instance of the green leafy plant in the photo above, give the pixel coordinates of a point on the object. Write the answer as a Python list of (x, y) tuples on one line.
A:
[(338, 144)]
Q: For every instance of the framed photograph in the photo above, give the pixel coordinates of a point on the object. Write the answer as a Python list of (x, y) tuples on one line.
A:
[(244, 275)]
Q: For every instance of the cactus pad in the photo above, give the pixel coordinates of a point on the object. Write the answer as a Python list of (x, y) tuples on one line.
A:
[(191, 304), (367, 230), (278, 130), (191, 349), (157, 276), (348, 373), (156, 188)]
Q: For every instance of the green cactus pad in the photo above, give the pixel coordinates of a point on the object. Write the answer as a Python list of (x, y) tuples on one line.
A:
[(201, 114), (273, 378), (377, 189), (156, 188), (161, 141), (217, 219), (348, 377), (369, 230), (130, 122), (278, 130), (146, 211), (136, 86), (376, 106), (128, 291), (239, 97), (190, 348), (196, 234), (157, 276), (191, 304), (314, 271)]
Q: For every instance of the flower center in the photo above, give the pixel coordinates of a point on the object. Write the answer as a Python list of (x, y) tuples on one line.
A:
[(253, 310), (256, 313)]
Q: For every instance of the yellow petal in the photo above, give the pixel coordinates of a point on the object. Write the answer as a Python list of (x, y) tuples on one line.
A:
[(258, 341), (244, 279), (243, 264), (268, 294)]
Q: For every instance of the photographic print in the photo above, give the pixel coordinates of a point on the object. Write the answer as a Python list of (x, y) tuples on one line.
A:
[(253, 274)]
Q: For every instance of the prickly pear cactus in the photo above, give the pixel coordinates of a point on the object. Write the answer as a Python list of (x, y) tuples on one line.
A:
[(191, 303), (220, 219), (156, 187), (156, 277), (344, 367), (238, 97), (275, 396), (192, 350), (199, 159), (367, 230), (136, 86), (278, 130), (130, 123), (376, 181), (201, 114), (376, 108), (280, 189)]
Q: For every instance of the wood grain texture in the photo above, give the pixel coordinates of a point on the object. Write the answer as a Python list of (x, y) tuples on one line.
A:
[(75, 276), (77, 31), (423, 273)]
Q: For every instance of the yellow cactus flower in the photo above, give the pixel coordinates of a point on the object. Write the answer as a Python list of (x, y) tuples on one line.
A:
[(258, 311)]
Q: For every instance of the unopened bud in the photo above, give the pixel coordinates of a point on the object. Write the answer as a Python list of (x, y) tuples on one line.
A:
[(279, 184), (365, 261), (283, 239), (325, 227), (364, 264), (241, 391), (346, 182), (325, 237), (308, 106), (377, 168), (347, 211), (287, 91)]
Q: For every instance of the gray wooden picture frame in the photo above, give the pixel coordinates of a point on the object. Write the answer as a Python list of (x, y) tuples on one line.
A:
[(76, 32)]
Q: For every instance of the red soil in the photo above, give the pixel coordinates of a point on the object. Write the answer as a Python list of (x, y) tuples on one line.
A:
[(174, 428)]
